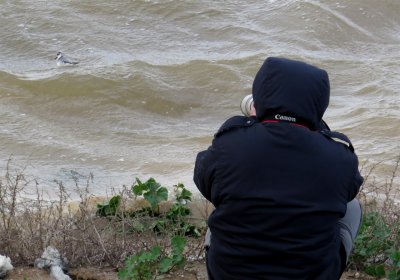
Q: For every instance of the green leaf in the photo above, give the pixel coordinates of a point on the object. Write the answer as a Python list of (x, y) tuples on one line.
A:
[(179, 260), (186, 194), (110, 208), (162, 194), (376, 270), (139, 187), (123, 274), (155, 252), (165, 265), (151, 191), (393, 274), (190, 230), (182, 195), (177, 211), (395, 257), (152, 185), (178, 244), (114, 201), (154, 198), (151, 199)]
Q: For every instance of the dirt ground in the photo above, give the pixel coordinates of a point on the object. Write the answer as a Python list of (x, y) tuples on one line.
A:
[(193, 271)]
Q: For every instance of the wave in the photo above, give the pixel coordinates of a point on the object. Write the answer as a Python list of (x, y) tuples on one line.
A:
[(157, 78)]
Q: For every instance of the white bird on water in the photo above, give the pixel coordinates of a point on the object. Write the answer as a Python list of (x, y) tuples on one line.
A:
[(64, 60)]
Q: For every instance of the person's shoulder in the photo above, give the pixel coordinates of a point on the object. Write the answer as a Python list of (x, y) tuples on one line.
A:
[(338, 137), (235, 122)]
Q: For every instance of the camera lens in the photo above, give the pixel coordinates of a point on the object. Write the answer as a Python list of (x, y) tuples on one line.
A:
[(246, 104)]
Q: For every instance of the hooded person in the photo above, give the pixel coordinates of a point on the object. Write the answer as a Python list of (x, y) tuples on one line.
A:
[(281, 183)]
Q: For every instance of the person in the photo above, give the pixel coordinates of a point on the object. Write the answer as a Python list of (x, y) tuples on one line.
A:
[(283, 185)]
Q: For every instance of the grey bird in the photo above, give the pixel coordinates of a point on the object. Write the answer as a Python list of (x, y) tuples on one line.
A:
[(64, 60)]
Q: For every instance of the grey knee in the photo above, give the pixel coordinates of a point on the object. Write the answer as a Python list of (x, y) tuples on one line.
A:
[(207, 239), (349, 225)]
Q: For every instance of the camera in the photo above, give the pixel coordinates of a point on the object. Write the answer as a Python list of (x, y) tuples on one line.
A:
[(246, 105)]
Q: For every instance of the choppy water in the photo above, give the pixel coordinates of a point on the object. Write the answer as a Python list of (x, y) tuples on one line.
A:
[(157, 78)]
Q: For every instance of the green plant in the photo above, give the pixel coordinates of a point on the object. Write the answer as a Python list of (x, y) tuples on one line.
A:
[(157, 260), (109, 208), (141, 266), (182, 195), (176, 257), (152, 191), (175, 219), (179, 211), (375, 250), (148, 264), (394, 271)]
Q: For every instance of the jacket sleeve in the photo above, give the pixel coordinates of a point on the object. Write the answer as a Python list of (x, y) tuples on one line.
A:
[(356, 183), (204, 171), (207, 161), (357, 180)]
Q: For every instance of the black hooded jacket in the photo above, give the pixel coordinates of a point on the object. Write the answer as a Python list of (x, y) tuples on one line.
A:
[(280, 182)]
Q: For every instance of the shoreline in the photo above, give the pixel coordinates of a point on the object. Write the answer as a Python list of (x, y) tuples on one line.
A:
[(98, 244)]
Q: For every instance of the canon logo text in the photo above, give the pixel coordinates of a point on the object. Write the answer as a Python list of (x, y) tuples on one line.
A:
[(285, 118)]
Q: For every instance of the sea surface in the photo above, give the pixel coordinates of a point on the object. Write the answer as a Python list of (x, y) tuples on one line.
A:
[(156, 79)]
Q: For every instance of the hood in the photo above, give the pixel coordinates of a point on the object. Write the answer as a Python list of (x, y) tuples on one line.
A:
[(292, 89)]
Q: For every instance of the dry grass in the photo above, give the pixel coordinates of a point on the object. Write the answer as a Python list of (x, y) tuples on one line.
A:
[(377, 248), (29, 224), (381, 194), (30, 220)]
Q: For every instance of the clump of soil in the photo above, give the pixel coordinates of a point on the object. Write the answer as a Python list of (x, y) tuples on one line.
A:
[(193, 271)]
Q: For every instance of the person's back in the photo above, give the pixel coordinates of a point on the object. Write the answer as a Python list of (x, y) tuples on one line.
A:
[(279, 185)]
